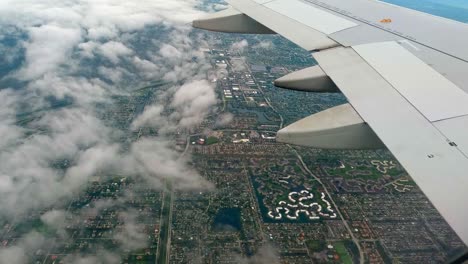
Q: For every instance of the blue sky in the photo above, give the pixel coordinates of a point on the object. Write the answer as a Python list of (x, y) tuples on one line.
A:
[(453, 9)]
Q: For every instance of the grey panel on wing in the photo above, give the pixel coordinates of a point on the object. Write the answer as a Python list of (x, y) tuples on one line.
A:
[(439, 169), (311, 16), (431, 93), (301, 34), (445, 35), (450, 67)]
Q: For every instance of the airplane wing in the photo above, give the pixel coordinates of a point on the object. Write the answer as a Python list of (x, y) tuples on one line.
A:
[(404, 73)]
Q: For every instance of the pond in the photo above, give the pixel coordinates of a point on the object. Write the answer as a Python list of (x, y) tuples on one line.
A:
[(228, 219)]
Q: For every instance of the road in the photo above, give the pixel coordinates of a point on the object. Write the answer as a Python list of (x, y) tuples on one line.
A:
[(345, 223), (164, 241)]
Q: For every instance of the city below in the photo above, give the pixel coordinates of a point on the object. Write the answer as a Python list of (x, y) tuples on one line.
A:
[(269, 201)]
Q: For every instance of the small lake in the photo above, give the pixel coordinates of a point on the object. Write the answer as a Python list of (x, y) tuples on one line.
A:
[(228, 219)]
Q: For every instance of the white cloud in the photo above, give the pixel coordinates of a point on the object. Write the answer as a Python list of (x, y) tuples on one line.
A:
[(101, 257), (103, 32), (48, 47), (151, 117), (155, 160), (82, 90), (170, 52), (89, 162), (238, 64), (114, 50), (78, 54), (224, 119), (146, 68), (239, 46), (215, 7), (35, 183), (18, 254), (10, 133), (57, 220), (265, 255), (189, 104), (131, 236), (99, 16), (87, 49), (266, 44), (193, 101), (114, 74), (54, 218)]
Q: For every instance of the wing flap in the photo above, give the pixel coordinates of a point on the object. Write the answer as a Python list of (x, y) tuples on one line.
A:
[(299, 33), (413, 78), (438, 168), (310, 16)]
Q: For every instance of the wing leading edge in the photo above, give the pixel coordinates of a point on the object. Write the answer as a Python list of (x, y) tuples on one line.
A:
[(405, 85)]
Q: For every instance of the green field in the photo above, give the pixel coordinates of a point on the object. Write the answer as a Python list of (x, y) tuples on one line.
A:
[(316, 245), (343, 252), (212, 140)]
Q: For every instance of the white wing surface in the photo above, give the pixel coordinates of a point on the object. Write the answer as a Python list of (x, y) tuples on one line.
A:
[(405, 74)]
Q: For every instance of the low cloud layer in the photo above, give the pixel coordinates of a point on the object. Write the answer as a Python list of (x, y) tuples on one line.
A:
[(64, 62), (240, 46)]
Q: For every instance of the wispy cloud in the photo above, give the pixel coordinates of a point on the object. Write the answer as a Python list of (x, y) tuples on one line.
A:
[(266, 254), (77, 55)]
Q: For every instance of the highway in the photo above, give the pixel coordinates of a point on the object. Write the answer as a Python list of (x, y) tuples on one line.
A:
[(164, 240)]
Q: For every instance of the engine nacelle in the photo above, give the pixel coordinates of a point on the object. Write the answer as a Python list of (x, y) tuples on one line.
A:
[(312, 79), (339, 127)]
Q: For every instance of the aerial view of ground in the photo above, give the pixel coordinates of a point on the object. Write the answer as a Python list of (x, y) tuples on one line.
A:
[(180, 164)]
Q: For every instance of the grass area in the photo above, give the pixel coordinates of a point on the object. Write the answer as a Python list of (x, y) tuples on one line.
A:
[(316, 245), (343, 252), (297, 169), (36, 225), (394, 172), (212, 140)]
